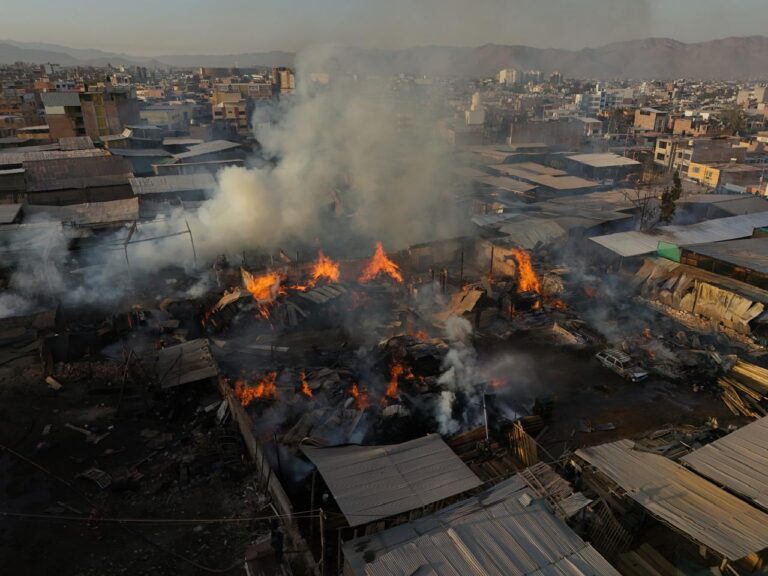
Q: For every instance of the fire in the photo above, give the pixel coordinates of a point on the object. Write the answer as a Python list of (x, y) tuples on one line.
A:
[(647, 334), (527, 279), (305, 389), (266, 389), (324, 268), (264, 288), (395, 372), (381, 264), (421, 335), (558, 304), (361, 398), (536, 305)]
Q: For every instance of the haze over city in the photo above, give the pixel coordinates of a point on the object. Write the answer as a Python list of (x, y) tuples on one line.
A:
[(146, 28)]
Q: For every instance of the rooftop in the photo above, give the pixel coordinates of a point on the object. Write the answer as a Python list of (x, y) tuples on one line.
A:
[(207, 148), (66, 173), (635, 243), (172, 183), (504, 530), (680, 498), (374, 482), (606, 160), (749, 253), (738, 461)]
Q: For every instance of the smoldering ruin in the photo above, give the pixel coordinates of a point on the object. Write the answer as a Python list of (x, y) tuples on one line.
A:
[(355, 329)]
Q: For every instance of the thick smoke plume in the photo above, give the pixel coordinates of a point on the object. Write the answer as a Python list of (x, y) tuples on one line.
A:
[(460, 375), (349, 162)]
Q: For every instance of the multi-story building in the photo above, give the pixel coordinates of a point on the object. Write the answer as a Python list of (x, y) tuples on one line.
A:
[(95, 113), (752, 96), (600, 101), (509, 77), (676, 154), (650, 120), (283, 80)]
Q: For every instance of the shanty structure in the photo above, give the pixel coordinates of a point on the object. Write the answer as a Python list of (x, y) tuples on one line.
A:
[(601, 166), (186, 363), (184, 186), (77, 180), (738, 461), (90, 215), (681, 499), (636, 243), (507, 530), (374, 482), (213, 150), (732, 303), (745, 260)]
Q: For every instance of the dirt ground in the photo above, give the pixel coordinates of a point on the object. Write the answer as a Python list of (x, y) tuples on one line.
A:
[(167, 458)]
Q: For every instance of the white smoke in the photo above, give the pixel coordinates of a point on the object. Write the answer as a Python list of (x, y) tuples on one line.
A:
[(355, 162), (460, 374)]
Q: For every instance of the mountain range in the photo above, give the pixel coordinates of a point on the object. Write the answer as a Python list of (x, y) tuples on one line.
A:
[(661, 58)]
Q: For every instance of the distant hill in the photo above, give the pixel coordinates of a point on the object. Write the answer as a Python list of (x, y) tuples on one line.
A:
[(662, 58)]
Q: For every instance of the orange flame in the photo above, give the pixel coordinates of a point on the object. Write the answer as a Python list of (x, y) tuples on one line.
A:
[(396, 371), (558, 304), (527, 279), (536, 305), (266, 389), (324, 268), (381, 264), (264, 288), (421, 335), (361, 398), (305, 389)]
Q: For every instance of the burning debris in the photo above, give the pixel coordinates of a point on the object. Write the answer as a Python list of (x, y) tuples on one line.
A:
[(324, 269), (264, 389)]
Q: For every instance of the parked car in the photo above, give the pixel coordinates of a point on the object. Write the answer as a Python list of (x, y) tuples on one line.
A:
[(622, 364)]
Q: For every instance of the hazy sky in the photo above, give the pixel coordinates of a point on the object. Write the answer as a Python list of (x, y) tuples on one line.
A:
[(154, 27)]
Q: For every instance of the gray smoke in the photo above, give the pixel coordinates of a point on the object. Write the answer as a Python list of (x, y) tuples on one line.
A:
[(460, 374)]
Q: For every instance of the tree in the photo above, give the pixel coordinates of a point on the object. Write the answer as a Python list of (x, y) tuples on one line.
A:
[(669, 199), (733, 120)]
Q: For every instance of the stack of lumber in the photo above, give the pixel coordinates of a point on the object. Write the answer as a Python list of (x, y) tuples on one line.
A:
[(745, 389)]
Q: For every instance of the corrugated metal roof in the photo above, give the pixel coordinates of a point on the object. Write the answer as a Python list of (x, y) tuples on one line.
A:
[(635, 243), (140, 152), (738, 461), (173, 183), (606, 160), (678, 497), (528, 232), (21, 155), (374, 482), (60, 98), (492, 533), (90, 214), (750, 253), (9, 213), (186, 363), (66, 173), (181, 141), (207, 148), (76, 143)]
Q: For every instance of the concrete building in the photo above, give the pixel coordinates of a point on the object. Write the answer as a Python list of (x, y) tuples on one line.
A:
[(95, 114), (650, 120), (720, 175), (676, 154), (475, 116), (283, 80), (509, 77), (566, 132), (171, 117), (752, 96)]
